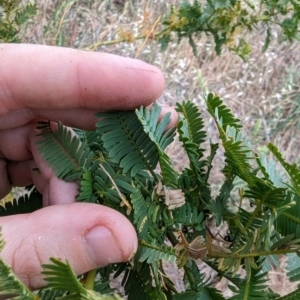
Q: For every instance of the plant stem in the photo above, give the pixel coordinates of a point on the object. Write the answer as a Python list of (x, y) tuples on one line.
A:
[(90, 279), (254, 254), (187, 272), (189, 276)]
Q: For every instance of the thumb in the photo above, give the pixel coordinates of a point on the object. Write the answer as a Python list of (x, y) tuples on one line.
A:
[(88, 235)]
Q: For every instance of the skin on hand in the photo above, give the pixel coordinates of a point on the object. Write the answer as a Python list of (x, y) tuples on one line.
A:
[(59, 84)]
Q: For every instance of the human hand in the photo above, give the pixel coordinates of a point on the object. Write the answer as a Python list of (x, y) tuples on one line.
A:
[(40, 82)]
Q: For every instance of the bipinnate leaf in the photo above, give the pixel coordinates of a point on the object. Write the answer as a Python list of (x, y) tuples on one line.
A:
[(191, 134), (126, 142), (253, 287), (60, 276), (221, 113), (63, 151), (205, 293), (152, 253), (155, 129), (292, 170)]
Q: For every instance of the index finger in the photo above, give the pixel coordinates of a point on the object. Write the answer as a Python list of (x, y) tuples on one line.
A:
[(46, 77)]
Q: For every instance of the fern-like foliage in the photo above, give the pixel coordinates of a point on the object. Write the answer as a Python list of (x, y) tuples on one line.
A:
[(140, 211), (221, 113), (153, 253), (126, 142), (155, 130), (292, 170), (254, 287), (192, 135), (60, 277), (124, 165), (74, 154)]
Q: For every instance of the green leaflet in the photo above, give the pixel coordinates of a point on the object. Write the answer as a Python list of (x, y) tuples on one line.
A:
[(293, 267), (237, 151), (55, 272), (155, 130), (188, 216), (87, 192), (266, 194), (237, 155), (191, 127), (140, 211), (288, 222), (221, 113), (292, 170), (137, 282), (59, 276), (63, 151), (291, 296), (206, 293), (126, 142), (152, 253), (49, 294), (191, 134), (254, 287)]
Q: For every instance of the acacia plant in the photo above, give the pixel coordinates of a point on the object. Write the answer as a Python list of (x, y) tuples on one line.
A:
[(172, 212)]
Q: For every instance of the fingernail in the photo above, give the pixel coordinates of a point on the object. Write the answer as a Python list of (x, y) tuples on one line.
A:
[(102, 248)]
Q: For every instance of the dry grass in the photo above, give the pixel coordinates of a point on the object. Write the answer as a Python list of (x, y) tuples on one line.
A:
[(262, 92)]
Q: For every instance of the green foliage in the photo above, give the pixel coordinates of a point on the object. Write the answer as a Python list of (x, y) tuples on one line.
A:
[(12, 15), (124, 165), (78, 155), (254, 287), (228, 21), (60, 277)]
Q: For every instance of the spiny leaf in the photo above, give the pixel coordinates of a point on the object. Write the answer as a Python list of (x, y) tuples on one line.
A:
[(188, 216)]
